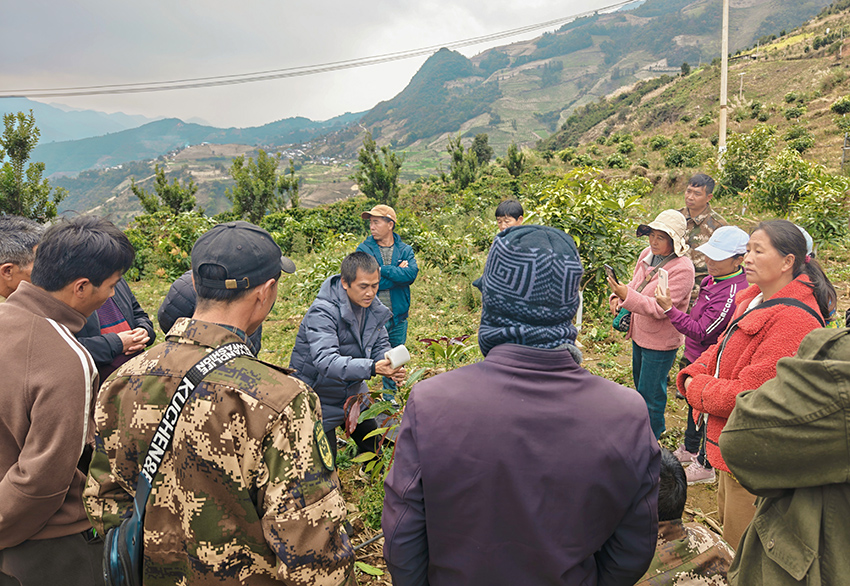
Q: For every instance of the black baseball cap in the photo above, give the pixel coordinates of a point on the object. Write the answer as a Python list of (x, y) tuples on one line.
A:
[(247, 253)]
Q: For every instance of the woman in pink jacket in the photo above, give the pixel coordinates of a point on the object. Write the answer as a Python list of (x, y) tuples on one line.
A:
[(654, 339), (789, 296)]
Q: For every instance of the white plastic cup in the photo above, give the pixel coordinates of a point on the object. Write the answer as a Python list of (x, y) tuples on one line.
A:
[(398, 356)]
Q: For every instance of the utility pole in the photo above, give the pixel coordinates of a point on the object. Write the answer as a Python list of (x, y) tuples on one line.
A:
[(741, 89), (724, 75)]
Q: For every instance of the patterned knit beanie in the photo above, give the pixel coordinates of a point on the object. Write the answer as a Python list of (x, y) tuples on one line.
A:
[(529, 289)]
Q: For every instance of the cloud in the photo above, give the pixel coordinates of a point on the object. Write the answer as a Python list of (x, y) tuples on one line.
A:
[(48, 44)]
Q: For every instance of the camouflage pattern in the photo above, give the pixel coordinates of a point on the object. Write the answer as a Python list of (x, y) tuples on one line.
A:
[(242, 495), (699, 231), (688, 555)]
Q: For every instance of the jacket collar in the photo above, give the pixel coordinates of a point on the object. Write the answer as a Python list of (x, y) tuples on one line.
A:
[(697, 220), (671, 530), (202, 333), (531, 358), (41, 303), (798, 289)]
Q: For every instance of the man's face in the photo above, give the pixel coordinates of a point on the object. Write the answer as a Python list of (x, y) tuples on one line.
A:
[(696, 199), (505, 222), (11, 275), (364, 288), (94, 297), (380, 228)]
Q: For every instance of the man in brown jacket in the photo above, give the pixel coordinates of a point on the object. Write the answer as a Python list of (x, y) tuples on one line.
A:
[(46, 399)]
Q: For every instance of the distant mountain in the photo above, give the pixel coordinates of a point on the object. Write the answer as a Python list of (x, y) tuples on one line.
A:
[(58, 122), (158, 138), (523, 92)]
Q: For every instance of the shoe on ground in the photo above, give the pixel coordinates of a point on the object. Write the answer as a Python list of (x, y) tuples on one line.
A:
[(684, 456), (697, 474)]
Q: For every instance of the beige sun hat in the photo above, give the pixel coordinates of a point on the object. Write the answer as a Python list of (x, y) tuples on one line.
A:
[(672, 223)]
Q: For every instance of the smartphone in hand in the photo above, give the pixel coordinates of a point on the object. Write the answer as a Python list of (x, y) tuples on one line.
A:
[(609, 270), (662, 279)]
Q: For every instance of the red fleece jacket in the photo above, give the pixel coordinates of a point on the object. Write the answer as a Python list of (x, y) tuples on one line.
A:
[(749, 359)]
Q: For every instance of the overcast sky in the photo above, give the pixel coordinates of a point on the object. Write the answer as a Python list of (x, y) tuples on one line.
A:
[(50, 44)]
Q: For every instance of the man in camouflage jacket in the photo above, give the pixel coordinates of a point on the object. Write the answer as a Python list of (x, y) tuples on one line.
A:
[(687, 554), (702, 221), (246, 493)]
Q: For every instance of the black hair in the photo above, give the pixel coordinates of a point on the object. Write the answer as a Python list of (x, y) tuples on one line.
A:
[(702, 180), (355, 261), (509, 207), (18, 239), (787, 239), (219, 273), (672, 488), (84, 246)]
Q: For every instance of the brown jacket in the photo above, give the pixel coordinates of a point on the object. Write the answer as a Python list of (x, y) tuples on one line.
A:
[(46, 400)]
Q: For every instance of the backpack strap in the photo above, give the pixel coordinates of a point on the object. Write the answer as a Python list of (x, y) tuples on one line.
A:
[(788, 301)]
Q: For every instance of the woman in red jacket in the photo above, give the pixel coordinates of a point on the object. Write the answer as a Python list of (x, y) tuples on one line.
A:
[(789, 296)]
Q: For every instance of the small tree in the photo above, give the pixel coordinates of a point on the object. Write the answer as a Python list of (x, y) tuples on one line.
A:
[(482, 149), (256, 181), (463, 164), (23, 192), (686, 69), (166, 197), (288, 188), (515, 160), (378, 170)]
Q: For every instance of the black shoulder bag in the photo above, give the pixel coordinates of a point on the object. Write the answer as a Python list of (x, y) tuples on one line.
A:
[(122, 549)]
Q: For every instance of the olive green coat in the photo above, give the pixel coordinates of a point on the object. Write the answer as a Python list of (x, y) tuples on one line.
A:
[(789, 442)]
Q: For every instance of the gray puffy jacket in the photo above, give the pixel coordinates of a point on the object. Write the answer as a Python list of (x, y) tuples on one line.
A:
[(331, 356)]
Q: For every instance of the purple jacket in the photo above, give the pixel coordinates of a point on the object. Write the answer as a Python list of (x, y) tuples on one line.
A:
[(522, 469), (710, 315)]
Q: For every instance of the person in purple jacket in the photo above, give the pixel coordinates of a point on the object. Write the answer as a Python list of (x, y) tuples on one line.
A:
[(709, 317), (523, 468)]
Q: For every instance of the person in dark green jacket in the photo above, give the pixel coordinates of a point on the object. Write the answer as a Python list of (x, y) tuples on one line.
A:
[(788, 442), (398, 271)]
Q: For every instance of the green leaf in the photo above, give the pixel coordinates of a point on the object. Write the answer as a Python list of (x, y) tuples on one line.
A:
[(375, 432), (367, 569), (364, 457)]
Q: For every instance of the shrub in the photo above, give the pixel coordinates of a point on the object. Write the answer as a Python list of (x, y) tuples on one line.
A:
[(705, 119), (776, 185), (626, 146), (685, 155), (745, 154), (595, 212), (567, 154), (617, 161), (658, 142), (822, 208), (794, 112), (841, 106), (164, 241), (790, 97), (799, 139)]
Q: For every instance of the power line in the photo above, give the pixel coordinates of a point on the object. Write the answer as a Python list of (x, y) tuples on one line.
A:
[(300, 71)]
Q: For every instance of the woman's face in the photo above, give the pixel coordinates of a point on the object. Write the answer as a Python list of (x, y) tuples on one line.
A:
[(763, 264), (721, 268), (660, 243)]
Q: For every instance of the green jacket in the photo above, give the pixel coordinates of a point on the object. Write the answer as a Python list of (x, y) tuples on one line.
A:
[(788, 441)]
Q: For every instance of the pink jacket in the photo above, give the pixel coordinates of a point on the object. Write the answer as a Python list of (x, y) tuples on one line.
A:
[(650, 328), (749, 359)]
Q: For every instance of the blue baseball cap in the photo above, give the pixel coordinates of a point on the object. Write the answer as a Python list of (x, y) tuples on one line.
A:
[(726, 242)]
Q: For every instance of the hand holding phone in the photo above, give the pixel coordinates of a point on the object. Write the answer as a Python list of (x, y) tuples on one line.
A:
[(662, 279), (609, 270)]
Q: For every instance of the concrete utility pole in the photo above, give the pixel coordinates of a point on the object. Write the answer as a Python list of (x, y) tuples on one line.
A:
[(724, 78)]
